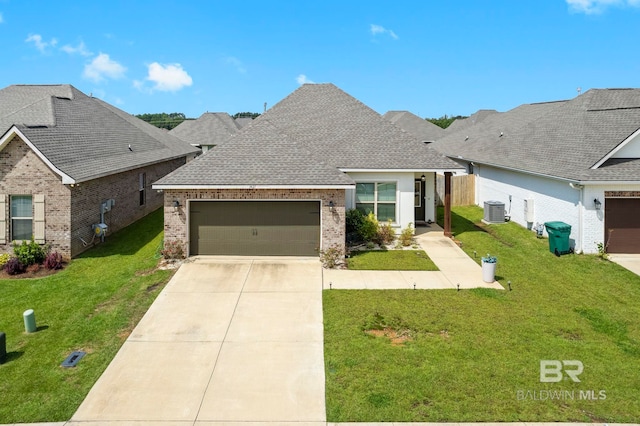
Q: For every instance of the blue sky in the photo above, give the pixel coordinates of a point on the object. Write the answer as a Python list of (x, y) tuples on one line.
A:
[(429, 57)]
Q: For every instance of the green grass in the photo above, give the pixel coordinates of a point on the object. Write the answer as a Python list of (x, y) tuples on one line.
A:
[(391, 260), (473, 351), (92, 305)]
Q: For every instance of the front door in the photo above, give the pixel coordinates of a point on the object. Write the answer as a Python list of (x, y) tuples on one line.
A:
[(419, 187)]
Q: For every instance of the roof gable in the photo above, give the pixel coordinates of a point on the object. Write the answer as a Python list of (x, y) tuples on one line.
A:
[(84, 137), (422, 129), (211, 128)]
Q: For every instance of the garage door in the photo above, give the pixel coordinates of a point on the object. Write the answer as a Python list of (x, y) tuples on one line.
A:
[(622, 225), (254, 228)]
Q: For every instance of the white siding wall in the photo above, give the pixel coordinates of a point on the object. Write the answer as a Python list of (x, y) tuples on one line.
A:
[(405, 193), (429, 197), (630, 150), (553, 200)]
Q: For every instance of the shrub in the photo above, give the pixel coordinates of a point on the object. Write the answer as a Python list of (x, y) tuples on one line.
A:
[(385, 234), (369, 228), (353, 220), (4, 258), (173, 250), (332, 257), (33, 268), (29, 253), (14, 266), (406, 236), (53, 261)]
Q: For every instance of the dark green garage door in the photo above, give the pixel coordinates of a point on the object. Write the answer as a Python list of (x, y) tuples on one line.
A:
[(254, 228)]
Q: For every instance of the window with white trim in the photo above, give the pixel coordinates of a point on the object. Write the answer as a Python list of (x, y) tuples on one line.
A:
[(21, 217), (377, 197)]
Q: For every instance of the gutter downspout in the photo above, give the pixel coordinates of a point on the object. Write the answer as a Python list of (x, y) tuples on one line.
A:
[(580, 188)]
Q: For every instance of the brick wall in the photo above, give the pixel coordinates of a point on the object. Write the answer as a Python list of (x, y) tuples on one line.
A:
[(332, 223), (123, 188), (23, 173)]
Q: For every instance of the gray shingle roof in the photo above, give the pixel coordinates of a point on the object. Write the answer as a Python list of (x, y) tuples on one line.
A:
[(562, 139), (262, 156), (422, 129), (475, 118), (82, 136), (211, 128), (322, 126)]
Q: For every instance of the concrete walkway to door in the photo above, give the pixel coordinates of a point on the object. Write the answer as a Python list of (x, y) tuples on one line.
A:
[(228, 340)]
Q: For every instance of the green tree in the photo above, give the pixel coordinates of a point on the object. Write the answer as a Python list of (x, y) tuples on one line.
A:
[(252, 115), (163, 120), (445, 121)]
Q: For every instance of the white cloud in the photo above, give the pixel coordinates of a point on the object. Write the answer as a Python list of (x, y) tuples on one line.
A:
[(1, 18), (237, 63), (166, 78), (103, 67), (39, 44), (379, 29), (80, 49), (302, 79), (592, 7)]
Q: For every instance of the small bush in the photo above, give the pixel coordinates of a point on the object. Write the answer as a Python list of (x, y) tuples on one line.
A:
[(386, 234), (406, 236), (369, 228), (53, 261), (29, 253), (4, 258), (353, 220), (173, 250), (14, 266), (332, 257)]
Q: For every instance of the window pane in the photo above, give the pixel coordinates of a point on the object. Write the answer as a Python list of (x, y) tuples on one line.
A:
[(365, 209), (386, 192), (21, 229), (21, 206), (364, 192), (386, 212)]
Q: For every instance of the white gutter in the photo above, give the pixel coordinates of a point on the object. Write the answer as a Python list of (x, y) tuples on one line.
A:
[(580, 188), (188, 187), (425, 170)]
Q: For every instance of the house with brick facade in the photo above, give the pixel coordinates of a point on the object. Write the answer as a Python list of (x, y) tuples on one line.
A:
[(282, 184), (70, 162), (575, 161)]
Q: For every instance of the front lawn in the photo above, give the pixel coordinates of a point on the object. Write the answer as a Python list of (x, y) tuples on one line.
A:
[(391, 260), (92, 306), (474, 355)]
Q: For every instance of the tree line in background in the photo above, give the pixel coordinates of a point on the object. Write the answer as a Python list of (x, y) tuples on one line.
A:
[(445, 121), (171, 120)]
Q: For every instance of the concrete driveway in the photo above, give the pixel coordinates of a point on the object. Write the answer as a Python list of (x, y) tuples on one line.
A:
[(228, 340), (628, 261)]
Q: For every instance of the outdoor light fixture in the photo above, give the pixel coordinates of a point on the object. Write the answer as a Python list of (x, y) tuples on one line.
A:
[(331, 206), (176, 204), (423, 178), (597, 203)]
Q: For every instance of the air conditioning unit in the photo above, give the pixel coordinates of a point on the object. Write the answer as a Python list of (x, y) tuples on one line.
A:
[(494, 212)]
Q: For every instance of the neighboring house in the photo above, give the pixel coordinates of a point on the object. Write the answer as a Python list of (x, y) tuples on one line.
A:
[(282, 185), (69, 162), (422, 129), (575, 161), (210, 129)]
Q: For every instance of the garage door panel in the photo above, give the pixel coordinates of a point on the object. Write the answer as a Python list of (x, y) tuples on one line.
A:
[(255, 228), (622, 225)]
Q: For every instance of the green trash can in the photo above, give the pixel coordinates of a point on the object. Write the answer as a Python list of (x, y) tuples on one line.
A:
[(559, 237)]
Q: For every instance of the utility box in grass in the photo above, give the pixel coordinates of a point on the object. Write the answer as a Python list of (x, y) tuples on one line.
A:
[(559, 233)]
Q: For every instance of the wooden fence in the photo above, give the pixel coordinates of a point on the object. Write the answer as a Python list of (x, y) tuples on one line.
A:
[(463, 190)]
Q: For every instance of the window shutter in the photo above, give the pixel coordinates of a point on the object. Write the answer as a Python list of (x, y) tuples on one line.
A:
[(38, 218), (3, 219)]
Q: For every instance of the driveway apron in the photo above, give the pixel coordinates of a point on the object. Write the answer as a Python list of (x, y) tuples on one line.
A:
[(228, 340)]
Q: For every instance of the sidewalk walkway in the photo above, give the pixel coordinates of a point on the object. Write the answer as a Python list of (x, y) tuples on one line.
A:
[(457, 270)]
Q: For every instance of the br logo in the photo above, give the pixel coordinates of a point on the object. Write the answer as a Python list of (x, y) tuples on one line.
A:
[(551, 370)]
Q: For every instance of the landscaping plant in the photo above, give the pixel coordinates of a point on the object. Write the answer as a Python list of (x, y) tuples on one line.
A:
[(29, 253)]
